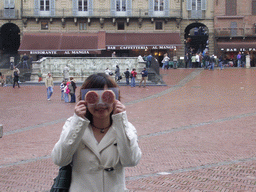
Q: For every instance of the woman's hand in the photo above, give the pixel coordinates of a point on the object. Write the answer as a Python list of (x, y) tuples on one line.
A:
[(118, 107), (80, 109)]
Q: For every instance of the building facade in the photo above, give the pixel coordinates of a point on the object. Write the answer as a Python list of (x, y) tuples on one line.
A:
[(100, 27), (235, 28)]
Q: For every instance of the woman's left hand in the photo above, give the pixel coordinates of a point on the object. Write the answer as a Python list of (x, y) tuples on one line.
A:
[(118, 107)]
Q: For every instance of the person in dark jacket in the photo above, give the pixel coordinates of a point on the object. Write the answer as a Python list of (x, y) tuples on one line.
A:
[(144, 75), (127, 76), (207, 60), (72, 87)]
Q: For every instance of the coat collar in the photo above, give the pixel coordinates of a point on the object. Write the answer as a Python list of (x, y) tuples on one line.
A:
[(89, 140)]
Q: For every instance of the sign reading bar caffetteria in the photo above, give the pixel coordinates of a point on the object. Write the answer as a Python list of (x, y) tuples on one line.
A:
[(238, 49), (130, 47), (59, 52)]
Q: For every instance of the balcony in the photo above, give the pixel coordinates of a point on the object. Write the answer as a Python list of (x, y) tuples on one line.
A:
[(102, 13), (9, 14), (235, 32)]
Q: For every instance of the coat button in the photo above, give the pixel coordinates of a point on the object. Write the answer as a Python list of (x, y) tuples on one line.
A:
[(80, 123), (70, 141), (109, 169), (74, 136)]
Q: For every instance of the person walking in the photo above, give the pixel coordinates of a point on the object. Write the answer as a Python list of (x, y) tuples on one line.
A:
[(207, 60), (117, 72), (62, 86), (133, 77), (239, 59), (66, 92), (127, 76), (166, 60), (99, 141), (16, 73), (49, 86), (144, 75), (212, 62), (72, 87)]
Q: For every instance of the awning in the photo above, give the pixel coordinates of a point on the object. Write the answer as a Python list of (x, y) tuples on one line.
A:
[(129, 41), (237, 46), (63, 43)]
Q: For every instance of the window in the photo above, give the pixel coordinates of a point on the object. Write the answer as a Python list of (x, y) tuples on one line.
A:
[(120, 26), (44, 5), (253, 7), (82, 26), (159, 25), (82, 5), (158, 5), (230, 7), (121, 5), (196, 5), (44, 25)]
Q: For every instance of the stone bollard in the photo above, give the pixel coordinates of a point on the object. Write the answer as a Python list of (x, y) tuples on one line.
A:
[(1, 131)]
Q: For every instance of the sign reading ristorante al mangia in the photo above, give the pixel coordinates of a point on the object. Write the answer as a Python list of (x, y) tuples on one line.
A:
[(44, 52), (129, 47)]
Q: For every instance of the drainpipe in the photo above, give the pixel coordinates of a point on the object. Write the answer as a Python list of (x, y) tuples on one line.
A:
[(21, 9)]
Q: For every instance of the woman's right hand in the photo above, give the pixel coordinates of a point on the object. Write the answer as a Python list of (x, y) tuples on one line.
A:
[(80, 109)]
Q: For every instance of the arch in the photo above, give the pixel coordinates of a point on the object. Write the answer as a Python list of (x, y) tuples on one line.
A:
[(196, 37), (10, 38)]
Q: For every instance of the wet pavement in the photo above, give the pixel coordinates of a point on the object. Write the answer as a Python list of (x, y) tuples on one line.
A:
[(198, 133)]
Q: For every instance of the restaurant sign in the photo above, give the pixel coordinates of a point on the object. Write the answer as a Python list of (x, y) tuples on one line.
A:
[(238, 49), (139, 47), (67, 52)]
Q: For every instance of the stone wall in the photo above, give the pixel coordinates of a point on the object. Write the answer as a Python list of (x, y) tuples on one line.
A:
[(81, 67)]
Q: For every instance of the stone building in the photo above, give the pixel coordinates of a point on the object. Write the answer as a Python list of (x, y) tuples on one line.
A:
[(235, 28), (97, 28)]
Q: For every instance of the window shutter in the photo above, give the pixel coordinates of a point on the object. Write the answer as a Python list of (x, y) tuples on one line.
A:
[(52, 7), (75, 7), (204, 4), (166, 8), (12, 4), (36, 7), (253, 7), (6, 4), (113, 7), (129, 7), (90, 7), (151, 7), (189, 5)]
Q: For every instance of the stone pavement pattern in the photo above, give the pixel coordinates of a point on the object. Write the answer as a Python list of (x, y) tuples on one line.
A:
[(196, 134)]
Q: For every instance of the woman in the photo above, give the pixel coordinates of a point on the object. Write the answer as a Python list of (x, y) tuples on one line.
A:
[(98, 157), (133, 77), (166, 61)]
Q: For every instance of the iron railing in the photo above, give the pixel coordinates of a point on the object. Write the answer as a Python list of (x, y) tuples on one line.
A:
[(102, 12), (235, 32)]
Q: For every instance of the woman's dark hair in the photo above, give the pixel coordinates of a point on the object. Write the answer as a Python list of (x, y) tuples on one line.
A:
[(99, 80)]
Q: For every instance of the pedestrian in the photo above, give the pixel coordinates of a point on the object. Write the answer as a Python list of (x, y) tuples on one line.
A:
[(25, 59), (72, 87), (39, 76), (98, 140), (239, 57), (187, 62), (193, 60), (16, 73), (2, 81), (197, 60), (113, 54), (62, 86), (49, 85), (165, 62), (133, 77), (149, 60), (243, 59), (127, 76), (144, 75), (212, 62), (207, 60), (221, 62), (66, 73), (66, 92), (117, 72)]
